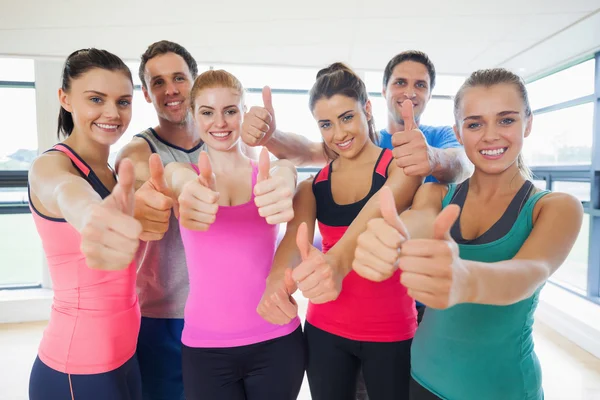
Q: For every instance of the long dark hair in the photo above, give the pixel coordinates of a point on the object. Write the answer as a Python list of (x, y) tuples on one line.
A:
[(77, 64)]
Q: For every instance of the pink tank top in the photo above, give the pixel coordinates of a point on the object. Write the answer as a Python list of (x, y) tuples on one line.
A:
[(228, 266), (95, 316)]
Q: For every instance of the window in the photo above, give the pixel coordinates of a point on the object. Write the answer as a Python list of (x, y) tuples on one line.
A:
[(560, 149), (562, 137), (573, 273), (568, 84), (18, 114), (20, 248)]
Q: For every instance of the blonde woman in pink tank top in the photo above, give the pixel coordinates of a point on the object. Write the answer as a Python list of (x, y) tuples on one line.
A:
[(229, 211), (84, 219)]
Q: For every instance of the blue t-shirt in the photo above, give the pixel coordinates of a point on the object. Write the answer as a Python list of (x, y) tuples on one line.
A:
[(440, 137)]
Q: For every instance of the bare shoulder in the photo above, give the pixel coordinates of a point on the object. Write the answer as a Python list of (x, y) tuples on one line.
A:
[(558, 204), (136, 150), (51, 163)]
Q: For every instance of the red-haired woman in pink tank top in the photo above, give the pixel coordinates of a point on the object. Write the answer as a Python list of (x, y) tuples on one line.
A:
[(84, 219)]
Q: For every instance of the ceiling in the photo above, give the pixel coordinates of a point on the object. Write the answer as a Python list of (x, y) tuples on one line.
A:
[(528, 36)]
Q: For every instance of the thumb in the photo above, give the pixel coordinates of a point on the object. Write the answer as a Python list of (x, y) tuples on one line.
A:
[(389, 211), (444, 221), (302, 241), (408, 115), (124, 191), (157, 173), (267, 100), (264, 165), (207, 177), (290, 285)]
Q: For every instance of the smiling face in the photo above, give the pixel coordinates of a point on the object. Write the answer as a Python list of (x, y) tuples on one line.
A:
[(218, 112), (409, 80), (344, 124), (100, 103), (491, 125), (168, 83)]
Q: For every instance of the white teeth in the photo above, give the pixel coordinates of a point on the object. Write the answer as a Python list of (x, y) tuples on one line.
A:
[(220, 134), (174, 103), (106, 126), (496, 152), (345, 144)]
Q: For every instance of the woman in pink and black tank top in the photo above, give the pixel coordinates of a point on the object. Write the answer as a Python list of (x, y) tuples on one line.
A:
[(364, 325), (84, 219), (229, 208)]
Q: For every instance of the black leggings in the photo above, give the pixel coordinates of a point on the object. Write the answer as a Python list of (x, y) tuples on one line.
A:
[(273, 369), (123, 383), (334, 363)]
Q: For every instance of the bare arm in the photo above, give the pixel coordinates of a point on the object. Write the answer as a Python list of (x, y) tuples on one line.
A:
[(139, 152), (61, 192), (555, 230), (305, 210), (451, 165), (403, 189), (301, 151)]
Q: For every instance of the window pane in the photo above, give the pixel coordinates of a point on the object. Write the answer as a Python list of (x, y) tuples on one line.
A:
[(17, 69), (275, 77), (20, 250), (18, 142), (562, 137), (573, 273), (568, 84), (581, 190), (143, 117)]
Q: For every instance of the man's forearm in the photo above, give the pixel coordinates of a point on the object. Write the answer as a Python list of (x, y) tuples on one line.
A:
[(452, 165), (296, 148)]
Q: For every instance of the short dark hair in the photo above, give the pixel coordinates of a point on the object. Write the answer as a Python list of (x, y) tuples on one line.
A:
[(78, 63), (164, 47), (410, 55)]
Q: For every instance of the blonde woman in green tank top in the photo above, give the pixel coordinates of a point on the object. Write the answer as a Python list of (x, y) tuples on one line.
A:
[(477, 254)]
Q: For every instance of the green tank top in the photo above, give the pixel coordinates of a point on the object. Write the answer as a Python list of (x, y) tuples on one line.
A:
[(482, 352)]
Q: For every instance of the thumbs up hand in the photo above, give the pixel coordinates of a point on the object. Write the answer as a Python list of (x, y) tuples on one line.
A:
[(110, 234), (153, 202), (277, 305), (377, 250), (273, 193), (198, 200), (432, 269), (411, 151), (259, 122), (316, 278)]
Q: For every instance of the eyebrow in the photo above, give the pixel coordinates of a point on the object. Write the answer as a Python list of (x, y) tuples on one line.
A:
[(104, 94), (339, 116), (160, 76), (400, 78), (500, 114), (203, 106)]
